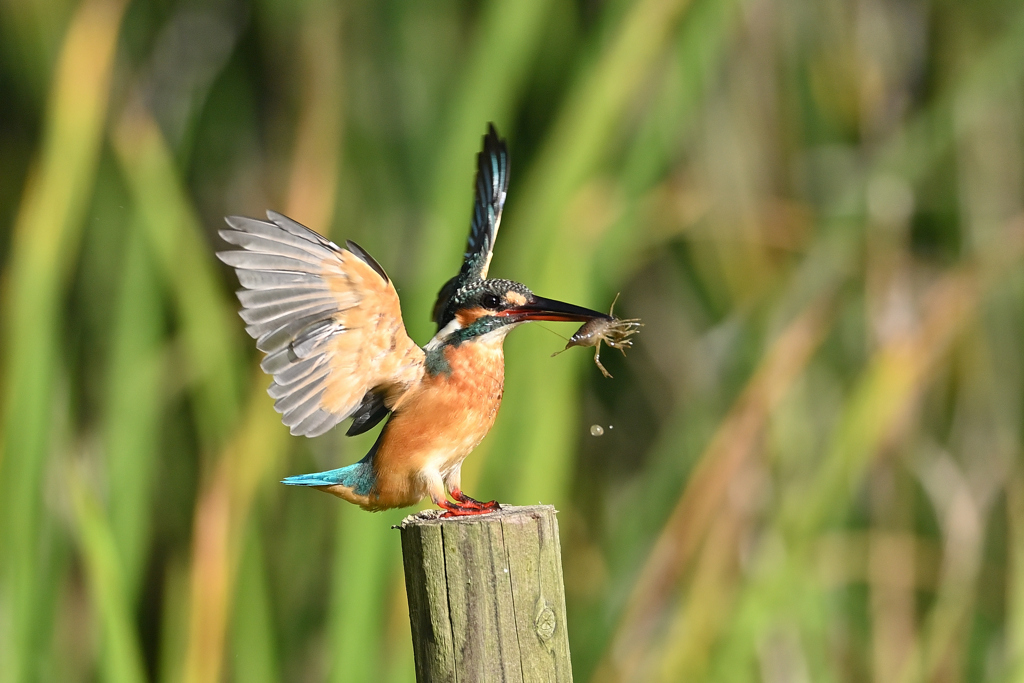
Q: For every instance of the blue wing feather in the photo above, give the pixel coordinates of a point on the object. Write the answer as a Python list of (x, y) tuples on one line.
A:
[(491, 188)]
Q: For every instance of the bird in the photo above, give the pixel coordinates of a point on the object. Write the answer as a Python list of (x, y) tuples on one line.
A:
[(330, 325)]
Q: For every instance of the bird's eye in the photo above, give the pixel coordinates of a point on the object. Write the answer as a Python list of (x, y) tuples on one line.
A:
[(491, 301)]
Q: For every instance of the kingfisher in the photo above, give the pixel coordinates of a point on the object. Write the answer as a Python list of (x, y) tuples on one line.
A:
[(329, 321)]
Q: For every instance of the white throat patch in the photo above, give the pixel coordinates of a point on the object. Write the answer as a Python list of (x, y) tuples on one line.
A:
[(443, 334)]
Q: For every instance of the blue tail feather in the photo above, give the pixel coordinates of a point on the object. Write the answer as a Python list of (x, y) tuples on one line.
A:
[(358, 477), (329, 478)]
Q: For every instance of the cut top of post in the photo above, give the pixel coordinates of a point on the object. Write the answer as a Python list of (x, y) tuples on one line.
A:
[(486, 599), (434, 516)]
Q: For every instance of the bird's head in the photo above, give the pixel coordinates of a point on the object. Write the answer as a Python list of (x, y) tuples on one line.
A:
[(495, 306)]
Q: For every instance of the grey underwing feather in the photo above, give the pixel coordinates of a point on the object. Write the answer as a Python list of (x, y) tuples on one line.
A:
[(316, 423), (303, 251), (276, 337), (250, 260), (274, 279), (279, 389), (297, 409), (305, 238), (269, 315), (297, 371), (253, 298)]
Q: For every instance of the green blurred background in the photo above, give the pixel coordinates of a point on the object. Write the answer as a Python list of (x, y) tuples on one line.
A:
[(811, 468)]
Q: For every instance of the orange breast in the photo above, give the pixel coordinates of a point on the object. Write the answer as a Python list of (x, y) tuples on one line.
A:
[(440, 422)]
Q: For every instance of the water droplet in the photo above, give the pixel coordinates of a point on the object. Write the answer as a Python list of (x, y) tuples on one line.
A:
[(596, 430)]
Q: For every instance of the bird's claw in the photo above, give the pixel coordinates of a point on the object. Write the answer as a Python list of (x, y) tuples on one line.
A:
[(467, 506), (473, 503), (477, 505), (466, 512)]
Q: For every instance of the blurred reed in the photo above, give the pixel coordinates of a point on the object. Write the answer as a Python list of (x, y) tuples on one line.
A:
[(810, 468)]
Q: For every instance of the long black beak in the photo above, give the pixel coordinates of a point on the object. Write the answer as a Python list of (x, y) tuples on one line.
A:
[(539, 308)]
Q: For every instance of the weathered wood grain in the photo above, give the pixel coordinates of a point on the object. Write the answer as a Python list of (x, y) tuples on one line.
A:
[(486, 600), (423, 556)]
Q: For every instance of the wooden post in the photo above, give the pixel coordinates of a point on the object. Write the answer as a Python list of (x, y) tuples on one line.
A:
[(486, 599)]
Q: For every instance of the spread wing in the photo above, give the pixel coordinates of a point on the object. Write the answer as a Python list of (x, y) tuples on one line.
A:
[(328, 319), (491, 189)]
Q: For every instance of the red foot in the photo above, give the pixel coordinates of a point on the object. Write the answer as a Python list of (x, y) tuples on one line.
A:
[(456, 510), (473, 503)]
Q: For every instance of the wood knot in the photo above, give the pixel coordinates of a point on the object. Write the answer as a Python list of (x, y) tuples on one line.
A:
[(546, 621)]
